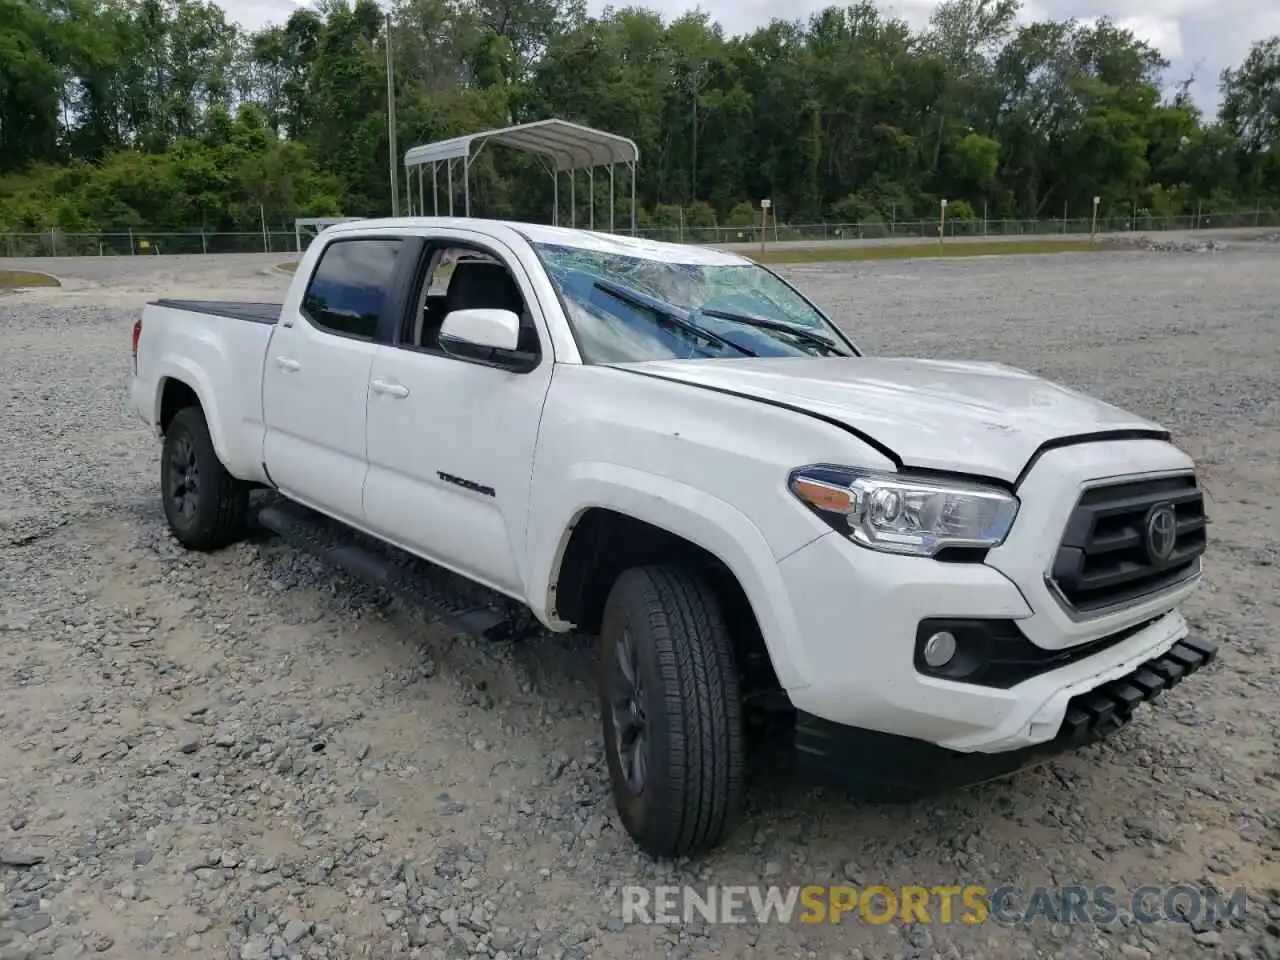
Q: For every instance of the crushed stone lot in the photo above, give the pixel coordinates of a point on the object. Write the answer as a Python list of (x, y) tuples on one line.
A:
[(248, 755)]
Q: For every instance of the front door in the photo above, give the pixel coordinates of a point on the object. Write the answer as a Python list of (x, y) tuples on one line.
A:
[(450, 441), (315, 384)]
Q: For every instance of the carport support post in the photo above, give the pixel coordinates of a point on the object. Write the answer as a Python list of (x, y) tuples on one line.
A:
[(1093, 226), (942, 220), (555, 198), (591, 199), (632, 165), (611, 198), (573, 198)]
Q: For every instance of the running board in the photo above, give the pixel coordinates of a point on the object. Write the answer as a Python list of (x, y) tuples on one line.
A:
[(451, 597)]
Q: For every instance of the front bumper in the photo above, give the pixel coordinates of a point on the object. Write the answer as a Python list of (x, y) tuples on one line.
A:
[(864, 642), (869, 761), (857, 612)]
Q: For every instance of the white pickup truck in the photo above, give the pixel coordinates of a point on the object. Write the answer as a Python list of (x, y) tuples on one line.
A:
[(934, 572)]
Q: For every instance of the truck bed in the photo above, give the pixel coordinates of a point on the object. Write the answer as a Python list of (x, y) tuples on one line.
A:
[(221, 345), (254, 312)]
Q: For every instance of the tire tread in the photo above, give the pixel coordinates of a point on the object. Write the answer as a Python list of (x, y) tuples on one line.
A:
[(693, 656)]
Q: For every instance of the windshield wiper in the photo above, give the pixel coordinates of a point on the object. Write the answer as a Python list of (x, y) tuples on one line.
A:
[(799, 332), (668, 311)]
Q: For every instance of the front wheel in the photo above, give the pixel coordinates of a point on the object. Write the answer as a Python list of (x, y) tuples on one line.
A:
[(206, 507), (672, 716)]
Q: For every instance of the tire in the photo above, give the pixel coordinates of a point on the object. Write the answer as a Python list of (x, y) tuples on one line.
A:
[(206, 507), (665, 624)]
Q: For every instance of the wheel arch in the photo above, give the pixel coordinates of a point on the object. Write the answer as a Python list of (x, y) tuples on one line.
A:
[(178, 389), (602, 542)]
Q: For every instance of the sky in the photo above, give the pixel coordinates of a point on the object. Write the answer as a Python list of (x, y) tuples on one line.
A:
[(1199, 37)]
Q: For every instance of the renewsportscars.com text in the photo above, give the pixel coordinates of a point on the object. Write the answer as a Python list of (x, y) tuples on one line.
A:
[(968, 904)]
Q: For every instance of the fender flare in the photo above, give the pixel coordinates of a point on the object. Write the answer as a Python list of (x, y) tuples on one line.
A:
[(187, 373), (684, 511)]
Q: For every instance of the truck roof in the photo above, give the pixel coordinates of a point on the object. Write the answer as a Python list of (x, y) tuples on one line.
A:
[(562, 236)]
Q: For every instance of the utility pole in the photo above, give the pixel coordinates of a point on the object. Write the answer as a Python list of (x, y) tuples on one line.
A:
[(695, 83), (391, 125)]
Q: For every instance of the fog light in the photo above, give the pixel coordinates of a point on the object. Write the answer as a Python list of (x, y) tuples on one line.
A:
[(939, 649)]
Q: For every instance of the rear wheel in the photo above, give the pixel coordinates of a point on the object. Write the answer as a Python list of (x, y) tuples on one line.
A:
[(672, 717), (206, 507)]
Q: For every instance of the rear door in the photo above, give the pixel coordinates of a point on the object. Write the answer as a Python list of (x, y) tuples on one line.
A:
[(315, 382), (451, 441)]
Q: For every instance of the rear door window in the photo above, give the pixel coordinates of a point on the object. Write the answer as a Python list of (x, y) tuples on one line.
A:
[(349, 287)]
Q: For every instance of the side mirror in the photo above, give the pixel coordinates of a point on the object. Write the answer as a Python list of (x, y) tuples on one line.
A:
[(483, 328), (490, 337)]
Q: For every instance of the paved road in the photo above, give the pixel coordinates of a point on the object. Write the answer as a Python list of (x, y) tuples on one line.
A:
[(158, 268), (1238, 234)]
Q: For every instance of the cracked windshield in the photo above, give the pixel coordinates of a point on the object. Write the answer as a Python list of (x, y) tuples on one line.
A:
[(629, 309)]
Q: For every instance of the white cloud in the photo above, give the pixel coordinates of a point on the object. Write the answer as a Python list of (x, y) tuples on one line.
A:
[(256, 14), (1200, 36), (1162, 33)]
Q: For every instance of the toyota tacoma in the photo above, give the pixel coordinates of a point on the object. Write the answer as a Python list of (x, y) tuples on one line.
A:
[(922, 565)]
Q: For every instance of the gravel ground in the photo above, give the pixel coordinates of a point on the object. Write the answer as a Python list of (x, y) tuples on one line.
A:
[(246, 755)]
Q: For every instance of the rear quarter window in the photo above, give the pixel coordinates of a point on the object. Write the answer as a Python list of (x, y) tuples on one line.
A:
[(346, 293)]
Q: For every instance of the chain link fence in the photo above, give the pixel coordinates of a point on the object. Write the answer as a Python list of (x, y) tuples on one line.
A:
[(140, 242), (975, 227)]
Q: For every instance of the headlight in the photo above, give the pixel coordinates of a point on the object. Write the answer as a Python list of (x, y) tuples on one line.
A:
[(896, 513)]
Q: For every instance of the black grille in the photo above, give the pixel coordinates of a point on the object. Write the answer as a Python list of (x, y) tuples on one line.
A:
[(1106, 558)]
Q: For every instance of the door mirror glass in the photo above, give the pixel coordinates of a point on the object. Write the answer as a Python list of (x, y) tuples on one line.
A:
[(482, 328)]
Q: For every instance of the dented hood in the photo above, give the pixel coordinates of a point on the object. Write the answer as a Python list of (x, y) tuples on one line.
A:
[(984, 419)]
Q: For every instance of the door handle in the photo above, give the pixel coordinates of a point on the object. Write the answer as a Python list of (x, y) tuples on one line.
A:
[(397, 390), (287, 364)]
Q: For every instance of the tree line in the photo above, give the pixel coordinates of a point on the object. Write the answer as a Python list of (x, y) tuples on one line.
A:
[(163, 114)]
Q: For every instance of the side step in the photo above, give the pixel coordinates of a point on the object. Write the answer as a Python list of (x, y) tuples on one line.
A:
[(467, 606)]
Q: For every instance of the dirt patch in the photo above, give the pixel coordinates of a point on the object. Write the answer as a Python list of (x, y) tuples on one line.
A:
[(22, 279)]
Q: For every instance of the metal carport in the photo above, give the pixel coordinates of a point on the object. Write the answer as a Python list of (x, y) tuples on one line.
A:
[(561, 146)]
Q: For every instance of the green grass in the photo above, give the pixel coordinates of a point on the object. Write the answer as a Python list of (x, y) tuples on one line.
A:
[(17, 279), (912, 251)]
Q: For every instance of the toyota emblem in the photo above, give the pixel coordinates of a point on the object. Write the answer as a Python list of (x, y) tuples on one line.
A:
[(1161, 532)]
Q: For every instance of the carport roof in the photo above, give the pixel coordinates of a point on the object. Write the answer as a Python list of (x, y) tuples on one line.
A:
[(569, 146)]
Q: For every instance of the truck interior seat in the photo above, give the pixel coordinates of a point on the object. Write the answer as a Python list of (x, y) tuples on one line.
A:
[(477, 285)]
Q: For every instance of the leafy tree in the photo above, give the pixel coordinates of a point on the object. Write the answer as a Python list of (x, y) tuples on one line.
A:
[(161, 113)]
